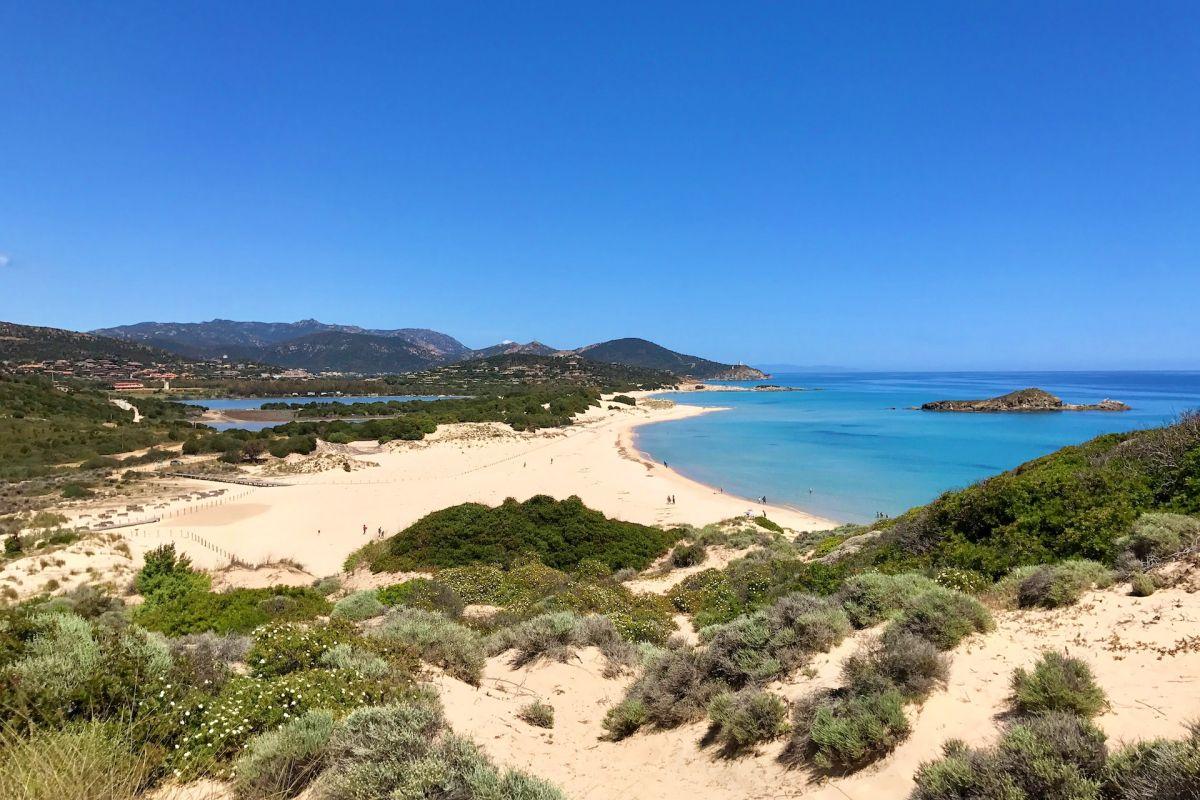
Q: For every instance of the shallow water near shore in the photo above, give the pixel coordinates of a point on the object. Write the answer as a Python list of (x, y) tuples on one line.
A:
[(853, 447)]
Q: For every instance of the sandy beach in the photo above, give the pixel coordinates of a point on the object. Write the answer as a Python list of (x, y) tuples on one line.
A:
[(317, 519)]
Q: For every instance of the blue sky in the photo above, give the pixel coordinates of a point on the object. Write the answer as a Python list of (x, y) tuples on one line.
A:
[(902, 185)]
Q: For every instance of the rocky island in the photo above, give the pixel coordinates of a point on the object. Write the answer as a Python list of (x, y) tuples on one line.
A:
[(1031, 399)]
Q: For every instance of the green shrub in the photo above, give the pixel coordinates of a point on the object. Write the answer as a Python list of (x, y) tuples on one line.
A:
[(844, 732), (358, 606), (763, 522), (406, 751), (673, 689), (1057, 683), (282, 647), (1158, 769), (625, 718), (178, 603), (1158, 536), (436, 640), (638, 617), (944, 617), (474, 583), (216, 729), (624, 398), (557, 636), (1057, 585), (278, 764), (746, 718), (89, 761), (538, 714), (871, 598), (75, 491), (423, 593), (560, 532), (355, 659), (909, 664), (687, 555), (1055, 755), (1142, 585), (327, 585), (773, 642), (967, 581)]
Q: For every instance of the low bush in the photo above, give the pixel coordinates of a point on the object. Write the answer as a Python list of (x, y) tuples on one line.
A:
[(355, 659), (1057, 683), (538, 714), (767, 644), (279, 764), (1158, 769), (358, 606), (841, 732), (943, 617), (687, 555), (212, 730), (327, 585), (1158, 536), (1057, 585), (436, 640), (406, 750), (763, 522), (1142, 585), (1054, 755), (558, 635), (232, 611), (674, 688), (283, 647), (743, 719), (474, 583), (872, 597), (423, 593), (626, 718), (899, 660), (203, 659)]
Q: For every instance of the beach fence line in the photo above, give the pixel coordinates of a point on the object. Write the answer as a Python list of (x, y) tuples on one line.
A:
[(192, 508), (244, 480), (185, 535)]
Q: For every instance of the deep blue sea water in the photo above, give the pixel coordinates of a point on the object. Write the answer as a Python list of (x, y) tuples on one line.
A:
[(854, 448)]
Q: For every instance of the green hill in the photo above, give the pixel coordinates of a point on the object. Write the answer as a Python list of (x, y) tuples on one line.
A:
[(642, 353), (1074, 503)]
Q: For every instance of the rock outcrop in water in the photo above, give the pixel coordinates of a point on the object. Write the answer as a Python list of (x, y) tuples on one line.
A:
[(1031, 399)]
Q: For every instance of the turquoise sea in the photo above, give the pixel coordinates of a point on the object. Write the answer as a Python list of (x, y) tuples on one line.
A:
[(852, 447)]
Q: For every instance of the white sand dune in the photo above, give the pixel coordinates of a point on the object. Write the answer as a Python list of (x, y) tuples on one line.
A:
[(319, 518)]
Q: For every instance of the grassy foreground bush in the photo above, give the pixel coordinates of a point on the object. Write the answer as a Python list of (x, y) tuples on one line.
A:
[(406, 751), (358, 606), (436, 640), (743, 719), (90, 761), (278, 764), (944, 617), (1054, 755), (1057, 683), (840, 732)]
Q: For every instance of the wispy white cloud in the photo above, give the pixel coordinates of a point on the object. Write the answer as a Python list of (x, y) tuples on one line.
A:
[(4, 260)]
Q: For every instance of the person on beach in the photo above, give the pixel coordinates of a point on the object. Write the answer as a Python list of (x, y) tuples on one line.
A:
[(364, 529)]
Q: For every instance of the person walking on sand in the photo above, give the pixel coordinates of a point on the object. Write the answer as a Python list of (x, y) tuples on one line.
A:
[(364, 529)]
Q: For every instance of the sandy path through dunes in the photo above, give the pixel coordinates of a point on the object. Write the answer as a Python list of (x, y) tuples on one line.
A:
[(319, 519)]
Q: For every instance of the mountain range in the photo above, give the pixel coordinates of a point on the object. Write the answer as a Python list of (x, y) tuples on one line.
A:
[(322, 347)]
